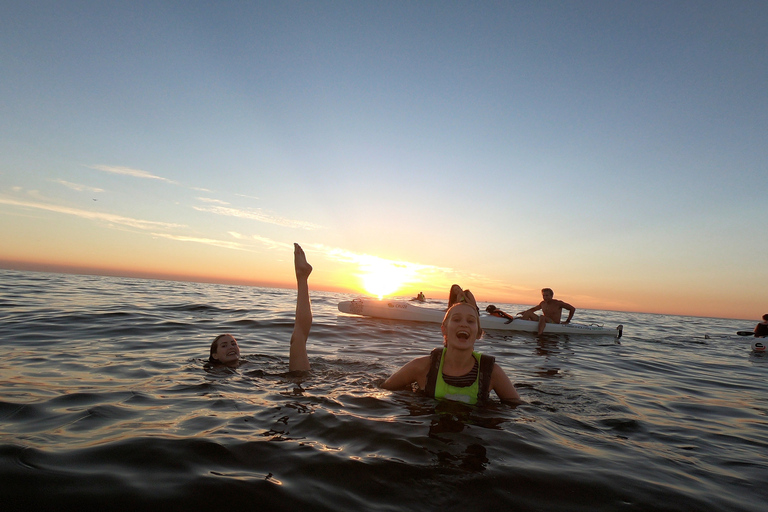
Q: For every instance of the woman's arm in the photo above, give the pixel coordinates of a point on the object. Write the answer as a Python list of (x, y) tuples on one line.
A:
[(414, 371), (503, 387)]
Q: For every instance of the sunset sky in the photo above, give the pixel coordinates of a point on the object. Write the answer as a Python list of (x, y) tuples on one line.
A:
[(615, 151)]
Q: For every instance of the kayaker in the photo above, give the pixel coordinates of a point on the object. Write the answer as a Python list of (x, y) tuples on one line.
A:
[(494, 311), (225, 350), (761, 329), (456, 371), (551, 308)]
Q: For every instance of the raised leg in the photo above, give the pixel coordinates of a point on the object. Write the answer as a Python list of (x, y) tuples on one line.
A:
[(298, 359)]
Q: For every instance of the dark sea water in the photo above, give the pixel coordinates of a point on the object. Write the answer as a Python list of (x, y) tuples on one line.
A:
[(105, 404)]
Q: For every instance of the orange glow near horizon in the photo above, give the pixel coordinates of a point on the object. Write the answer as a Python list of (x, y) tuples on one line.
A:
[(379, 277)]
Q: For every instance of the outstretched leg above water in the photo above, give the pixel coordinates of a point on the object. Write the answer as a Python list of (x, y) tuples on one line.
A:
[(298, 359)]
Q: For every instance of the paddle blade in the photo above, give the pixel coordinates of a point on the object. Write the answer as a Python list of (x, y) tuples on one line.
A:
[(745, 333)]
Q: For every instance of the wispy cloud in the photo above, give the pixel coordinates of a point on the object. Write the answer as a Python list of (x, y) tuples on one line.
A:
[(127, 171), (210, 200), (78, 187), (271, 244), (207, 241), (258, 215), (93, 215), (246, 196)]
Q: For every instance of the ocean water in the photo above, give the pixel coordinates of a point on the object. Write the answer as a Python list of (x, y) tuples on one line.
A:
[(105, 404)]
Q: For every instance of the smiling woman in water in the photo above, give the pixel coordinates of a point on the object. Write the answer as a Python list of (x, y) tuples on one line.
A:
[(225, 350), (457, 372)]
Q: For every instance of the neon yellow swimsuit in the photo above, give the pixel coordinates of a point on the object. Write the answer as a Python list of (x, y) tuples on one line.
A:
[(467, 394)]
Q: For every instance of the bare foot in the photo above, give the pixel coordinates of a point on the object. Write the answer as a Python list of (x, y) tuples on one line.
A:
[(459, 295), (303, 269), (454, 295)]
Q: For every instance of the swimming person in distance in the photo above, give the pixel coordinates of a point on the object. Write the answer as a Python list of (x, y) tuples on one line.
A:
[(761, 329), (494, 311), (551, 309), (225, 350), (456, 371)]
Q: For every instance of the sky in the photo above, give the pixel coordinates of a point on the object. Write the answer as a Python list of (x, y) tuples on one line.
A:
[(615, 151)]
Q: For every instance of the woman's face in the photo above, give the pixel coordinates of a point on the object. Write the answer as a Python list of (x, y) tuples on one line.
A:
[(227, 351), (461, 327)]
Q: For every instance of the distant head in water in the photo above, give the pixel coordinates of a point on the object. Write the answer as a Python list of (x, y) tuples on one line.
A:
[(224, 350)]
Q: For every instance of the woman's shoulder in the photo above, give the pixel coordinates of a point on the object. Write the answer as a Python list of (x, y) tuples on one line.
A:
[(421, 362)]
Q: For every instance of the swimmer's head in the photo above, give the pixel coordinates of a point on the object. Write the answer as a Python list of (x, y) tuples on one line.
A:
[(224, 350), (765, 317), (460, 309)]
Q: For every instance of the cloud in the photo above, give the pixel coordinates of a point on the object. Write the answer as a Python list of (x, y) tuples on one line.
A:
[(258, 215), (136, 173), (206, 241), (210, 200), (78, 187), (92, 215), (273, 244), (247, 197)]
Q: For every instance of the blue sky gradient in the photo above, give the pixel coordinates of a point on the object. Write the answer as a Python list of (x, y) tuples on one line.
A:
[(615, 151)]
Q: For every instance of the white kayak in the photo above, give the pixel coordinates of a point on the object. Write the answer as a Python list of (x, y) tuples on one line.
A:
[(402, 310)]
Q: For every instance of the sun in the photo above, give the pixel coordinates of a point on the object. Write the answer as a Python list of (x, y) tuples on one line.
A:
[(381, 278)]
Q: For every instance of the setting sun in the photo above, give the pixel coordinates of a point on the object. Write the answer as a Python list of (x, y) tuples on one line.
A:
[(382, 278)]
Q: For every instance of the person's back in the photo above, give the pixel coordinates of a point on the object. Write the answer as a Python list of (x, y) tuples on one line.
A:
[(761, 329)]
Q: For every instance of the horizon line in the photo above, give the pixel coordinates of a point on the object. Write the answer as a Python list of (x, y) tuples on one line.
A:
[(59, 268)]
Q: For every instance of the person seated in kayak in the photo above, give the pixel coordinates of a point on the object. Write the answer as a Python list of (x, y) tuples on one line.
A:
[(761, 329), (420, 297), (551, 309), (456, 371), (494, 311), (226, 352)]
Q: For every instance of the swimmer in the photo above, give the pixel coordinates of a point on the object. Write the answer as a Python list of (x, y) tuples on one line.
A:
[(494, 311), (226, 352), (761, 329), (457, 372)]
